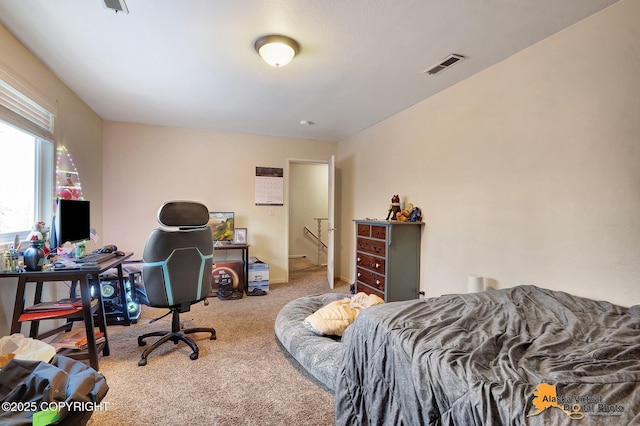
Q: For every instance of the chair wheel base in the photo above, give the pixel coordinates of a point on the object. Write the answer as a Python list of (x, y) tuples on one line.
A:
[(176, 335)]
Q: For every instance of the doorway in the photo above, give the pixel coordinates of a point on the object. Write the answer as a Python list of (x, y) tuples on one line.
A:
[(308, 218)]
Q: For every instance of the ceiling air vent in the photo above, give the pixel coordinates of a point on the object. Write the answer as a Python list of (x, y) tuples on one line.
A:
[(446, 63), (117, 5)]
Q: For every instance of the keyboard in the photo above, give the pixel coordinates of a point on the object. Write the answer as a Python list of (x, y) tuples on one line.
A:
[(95, 258)]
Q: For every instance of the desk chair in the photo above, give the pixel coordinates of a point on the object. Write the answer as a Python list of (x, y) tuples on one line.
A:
[(178, 261)]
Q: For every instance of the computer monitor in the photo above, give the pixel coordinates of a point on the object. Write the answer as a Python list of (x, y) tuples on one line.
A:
[(72, 222)]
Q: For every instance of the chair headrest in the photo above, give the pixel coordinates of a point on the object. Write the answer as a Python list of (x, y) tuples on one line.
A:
[(183, 214)]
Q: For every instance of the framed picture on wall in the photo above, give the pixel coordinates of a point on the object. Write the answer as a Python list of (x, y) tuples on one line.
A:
[(240, 235)]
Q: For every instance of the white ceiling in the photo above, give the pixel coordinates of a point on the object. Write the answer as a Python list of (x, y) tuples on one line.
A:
[(191, 63)]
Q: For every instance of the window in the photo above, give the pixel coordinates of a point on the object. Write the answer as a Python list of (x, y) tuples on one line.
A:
[(26, 189)]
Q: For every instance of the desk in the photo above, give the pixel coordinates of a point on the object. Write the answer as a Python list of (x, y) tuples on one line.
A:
[(245, 259), (85, 277)]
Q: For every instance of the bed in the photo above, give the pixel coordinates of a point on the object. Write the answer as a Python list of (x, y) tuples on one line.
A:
[(317, 355), (517, 356)]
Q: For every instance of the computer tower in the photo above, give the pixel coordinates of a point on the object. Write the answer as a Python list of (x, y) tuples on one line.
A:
[(121, 304)]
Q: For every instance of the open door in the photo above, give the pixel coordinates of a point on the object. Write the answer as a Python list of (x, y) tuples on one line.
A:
[(331, 223)]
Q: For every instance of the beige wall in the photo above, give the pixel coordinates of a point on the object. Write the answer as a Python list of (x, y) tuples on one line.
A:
[(144, 166), (527, 173), (76, 126)]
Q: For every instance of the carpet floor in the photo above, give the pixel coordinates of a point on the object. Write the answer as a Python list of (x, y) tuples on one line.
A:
[(242, 378)]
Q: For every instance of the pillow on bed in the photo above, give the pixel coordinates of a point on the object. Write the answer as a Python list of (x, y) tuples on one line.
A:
[(334, 318)]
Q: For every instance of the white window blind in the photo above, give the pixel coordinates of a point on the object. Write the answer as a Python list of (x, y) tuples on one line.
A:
[(24, 113)]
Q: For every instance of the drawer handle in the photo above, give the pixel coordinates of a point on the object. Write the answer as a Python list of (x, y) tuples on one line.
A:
[(377, 282), (359, 260), (359, 274), (377, 265), (377, 249)]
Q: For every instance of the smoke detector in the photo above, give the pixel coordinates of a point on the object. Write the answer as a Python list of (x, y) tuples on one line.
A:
[(446, 63), (116, 5)]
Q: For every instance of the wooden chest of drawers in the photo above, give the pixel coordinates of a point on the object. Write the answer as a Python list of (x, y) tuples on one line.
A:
[(388, 259)]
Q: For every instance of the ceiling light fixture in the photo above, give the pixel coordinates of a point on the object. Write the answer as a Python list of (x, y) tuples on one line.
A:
[(276, 50)]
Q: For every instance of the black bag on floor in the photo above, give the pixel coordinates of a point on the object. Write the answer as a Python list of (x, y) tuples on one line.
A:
[(42, 384)]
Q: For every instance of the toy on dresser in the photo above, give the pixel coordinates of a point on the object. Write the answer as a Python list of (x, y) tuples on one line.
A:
[(394, 208), (409, 214)]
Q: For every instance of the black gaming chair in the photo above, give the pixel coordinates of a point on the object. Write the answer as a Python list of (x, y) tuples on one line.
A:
[(178, 261)]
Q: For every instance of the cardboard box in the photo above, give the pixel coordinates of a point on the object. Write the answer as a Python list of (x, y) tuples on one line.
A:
[(229, 275), (258, 274)]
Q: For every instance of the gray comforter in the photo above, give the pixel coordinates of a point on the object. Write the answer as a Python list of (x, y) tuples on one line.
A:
[(518, 356)]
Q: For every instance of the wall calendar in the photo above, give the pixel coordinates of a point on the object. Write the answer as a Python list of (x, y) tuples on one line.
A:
[(269, 186)]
